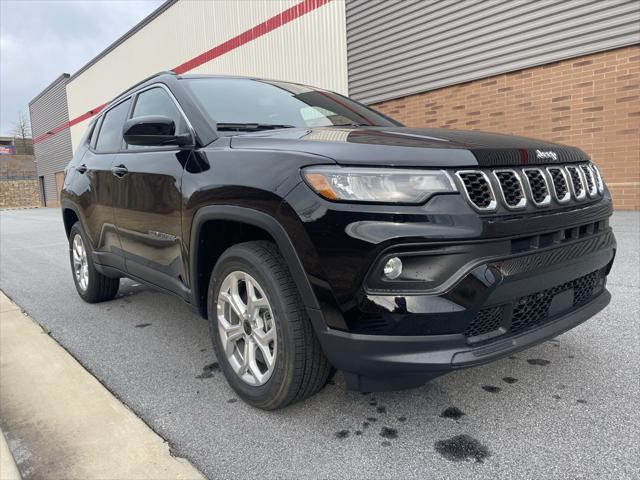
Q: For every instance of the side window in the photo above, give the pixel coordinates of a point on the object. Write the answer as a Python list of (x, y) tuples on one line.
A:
[(156, 101), (94, 134), (110, 135)]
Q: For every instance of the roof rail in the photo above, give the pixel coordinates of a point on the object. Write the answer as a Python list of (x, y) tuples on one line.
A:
[(133, 87)]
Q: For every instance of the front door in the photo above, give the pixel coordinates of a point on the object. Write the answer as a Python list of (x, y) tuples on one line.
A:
[(147, 200)]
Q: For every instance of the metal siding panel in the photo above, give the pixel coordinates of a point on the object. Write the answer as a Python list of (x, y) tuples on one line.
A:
[(48, 111), (400, 48), (311, 49)]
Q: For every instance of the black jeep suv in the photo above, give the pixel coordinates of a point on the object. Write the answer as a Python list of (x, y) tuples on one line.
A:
[(315, 233)]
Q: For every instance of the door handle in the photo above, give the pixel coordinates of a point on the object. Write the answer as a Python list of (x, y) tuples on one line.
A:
[(119, 171), (81, 168)]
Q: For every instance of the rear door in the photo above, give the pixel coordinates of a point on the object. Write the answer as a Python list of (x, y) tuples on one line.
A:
[(96, 198), (147, 199)]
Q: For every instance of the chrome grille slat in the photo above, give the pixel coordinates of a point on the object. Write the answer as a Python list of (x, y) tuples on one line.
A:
[(478, 189), (560, 184), (538, 186), (598, 177), (511, 188), (592, 188), (577, 183)]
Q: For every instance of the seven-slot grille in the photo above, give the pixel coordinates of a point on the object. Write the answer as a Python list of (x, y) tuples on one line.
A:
[(517, 187)]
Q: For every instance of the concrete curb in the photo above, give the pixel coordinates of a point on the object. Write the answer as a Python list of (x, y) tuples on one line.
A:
[(68, 425), (8, 467)]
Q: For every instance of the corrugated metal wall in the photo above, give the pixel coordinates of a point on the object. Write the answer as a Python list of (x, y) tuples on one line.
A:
[(310, 49), (398, 48), (49, 110)]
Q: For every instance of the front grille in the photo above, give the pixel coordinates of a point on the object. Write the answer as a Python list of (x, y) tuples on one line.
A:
[(478, 189), (560, 186), (511, 188), (518, 187), (533, 310), (576, 182)]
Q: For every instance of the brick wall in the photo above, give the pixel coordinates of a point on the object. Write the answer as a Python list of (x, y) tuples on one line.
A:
[(19, 193), (592, 102)]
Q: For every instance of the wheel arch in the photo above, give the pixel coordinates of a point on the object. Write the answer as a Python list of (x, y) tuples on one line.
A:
[(69, 216), (256, 219)]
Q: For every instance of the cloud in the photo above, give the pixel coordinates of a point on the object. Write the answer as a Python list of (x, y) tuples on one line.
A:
[(41, 39)]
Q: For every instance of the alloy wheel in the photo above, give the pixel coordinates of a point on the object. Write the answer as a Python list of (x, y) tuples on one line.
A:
[(80, 264), (247, 328)]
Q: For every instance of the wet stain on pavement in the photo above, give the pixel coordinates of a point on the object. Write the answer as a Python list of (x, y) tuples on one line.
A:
[(509, 380), (389, 433), (538, 361), (207, 370), (342, 434), (491, 388), (452, 412), (143, 325), (462, 447)]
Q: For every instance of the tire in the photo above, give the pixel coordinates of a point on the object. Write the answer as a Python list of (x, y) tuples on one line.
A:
[(300, 368), (98, 287)]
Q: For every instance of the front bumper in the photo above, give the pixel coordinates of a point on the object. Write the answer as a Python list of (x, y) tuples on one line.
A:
[(477, 286), (376, 362)]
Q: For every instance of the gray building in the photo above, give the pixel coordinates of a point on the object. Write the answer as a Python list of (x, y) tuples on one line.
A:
[(52, 148)]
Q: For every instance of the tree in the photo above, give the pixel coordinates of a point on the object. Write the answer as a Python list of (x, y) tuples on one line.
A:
[(22, 131)]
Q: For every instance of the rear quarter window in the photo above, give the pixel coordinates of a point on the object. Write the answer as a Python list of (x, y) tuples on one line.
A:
[(110, 132)]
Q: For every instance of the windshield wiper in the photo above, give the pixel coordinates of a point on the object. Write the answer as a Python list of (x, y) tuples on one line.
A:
[(354, 124), (238, 127)]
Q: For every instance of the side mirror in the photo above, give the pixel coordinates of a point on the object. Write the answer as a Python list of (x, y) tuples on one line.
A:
[(153, 130)]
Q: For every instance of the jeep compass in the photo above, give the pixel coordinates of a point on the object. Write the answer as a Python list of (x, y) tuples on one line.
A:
[(314, 233)]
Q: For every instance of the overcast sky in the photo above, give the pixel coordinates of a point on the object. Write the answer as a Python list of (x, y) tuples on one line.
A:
[(41, 39)]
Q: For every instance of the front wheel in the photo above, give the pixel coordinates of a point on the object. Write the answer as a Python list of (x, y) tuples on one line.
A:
[(261, 334), (91, 285)]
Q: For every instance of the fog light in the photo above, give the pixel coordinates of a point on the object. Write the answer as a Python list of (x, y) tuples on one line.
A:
[(393, 268)]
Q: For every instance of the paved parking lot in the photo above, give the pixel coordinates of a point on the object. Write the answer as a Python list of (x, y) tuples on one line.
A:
[(564, 409)]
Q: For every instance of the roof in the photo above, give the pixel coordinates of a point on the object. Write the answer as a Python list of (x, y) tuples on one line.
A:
[(50, 86)]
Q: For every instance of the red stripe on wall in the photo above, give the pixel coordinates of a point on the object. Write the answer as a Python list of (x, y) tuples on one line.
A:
[(245, 37)]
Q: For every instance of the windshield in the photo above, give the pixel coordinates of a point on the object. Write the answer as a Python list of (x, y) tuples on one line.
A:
[(234, 102)]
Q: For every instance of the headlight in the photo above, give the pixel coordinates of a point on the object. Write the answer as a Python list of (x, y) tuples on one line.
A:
[(381, 185)]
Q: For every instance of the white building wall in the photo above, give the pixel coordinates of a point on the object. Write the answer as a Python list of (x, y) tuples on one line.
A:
[(310, 49)]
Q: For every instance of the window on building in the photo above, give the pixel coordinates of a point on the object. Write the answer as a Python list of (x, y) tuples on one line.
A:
[(110, 135)]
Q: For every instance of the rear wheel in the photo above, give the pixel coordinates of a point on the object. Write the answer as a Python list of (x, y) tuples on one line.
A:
[(261, 334), (91, 285)]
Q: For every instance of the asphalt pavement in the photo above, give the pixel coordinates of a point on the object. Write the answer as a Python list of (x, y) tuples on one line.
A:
[(568, 408)]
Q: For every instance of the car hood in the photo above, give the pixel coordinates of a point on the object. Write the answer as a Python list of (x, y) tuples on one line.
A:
[(400, 146)]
